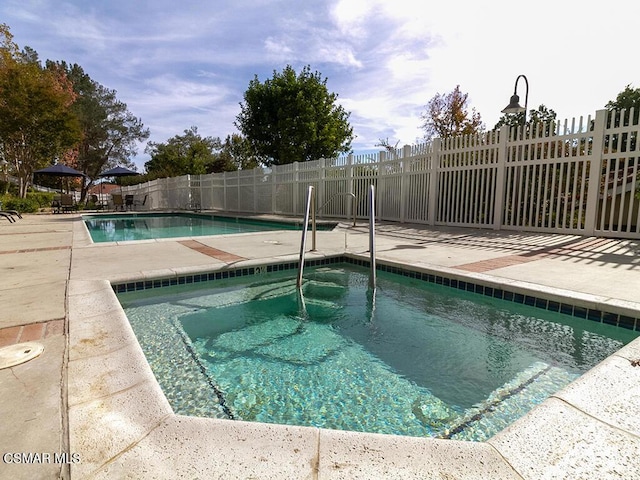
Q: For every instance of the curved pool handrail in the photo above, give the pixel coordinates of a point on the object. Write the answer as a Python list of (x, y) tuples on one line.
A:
[(372, 236), (353, 203), (303, 242)]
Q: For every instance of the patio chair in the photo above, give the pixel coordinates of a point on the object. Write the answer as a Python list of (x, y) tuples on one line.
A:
[(118, 203), (55, 204), (10, 212), (138, 203), (67, 203), (8, 216), (96, 202), (128, 202)]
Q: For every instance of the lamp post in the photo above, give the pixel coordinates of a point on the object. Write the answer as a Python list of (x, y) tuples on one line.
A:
[(514, 107), (514, 103)]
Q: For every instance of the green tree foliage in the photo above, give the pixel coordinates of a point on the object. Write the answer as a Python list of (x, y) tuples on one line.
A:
[(36, 121), (543, 117), (620, 115), (626, 99), (236, 150), (187, 154), (447, 115), (110, 132), (293, 118)]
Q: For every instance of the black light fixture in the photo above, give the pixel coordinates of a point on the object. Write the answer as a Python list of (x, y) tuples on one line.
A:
[(514, 104)]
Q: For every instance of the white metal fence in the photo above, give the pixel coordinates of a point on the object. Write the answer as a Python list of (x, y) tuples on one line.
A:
[(572, 177)]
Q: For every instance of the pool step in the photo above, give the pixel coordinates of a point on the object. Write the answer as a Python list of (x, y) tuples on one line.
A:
[(320, 291), (323, 290)]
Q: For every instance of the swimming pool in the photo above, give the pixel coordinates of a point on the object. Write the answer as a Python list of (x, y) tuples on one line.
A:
[(125, 227), (414, 359)]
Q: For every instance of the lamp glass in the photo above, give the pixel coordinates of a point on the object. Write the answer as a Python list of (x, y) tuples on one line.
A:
[(514, 105)]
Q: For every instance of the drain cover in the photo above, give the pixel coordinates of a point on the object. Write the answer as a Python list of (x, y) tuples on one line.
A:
[(19, 353)]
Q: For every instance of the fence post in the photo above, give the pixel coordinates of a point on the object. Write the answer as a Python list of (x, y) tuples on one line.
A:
[(255, 190), (200, 190), (320, 189), (595, 172), (189, 196), (274, 189), (501, 166), (238, 191), (403, 187), (380, 179), (433, 166), (404, 196), (350, 180), (296, 184), (224, 191)]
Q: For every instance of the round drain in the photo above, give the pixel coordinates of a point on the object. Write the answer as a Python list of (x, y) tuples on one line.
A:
[(19, 353)]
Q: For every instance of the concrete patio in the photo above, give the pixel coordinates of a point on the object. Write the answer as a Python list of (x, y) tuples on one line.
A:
[(92, 396)]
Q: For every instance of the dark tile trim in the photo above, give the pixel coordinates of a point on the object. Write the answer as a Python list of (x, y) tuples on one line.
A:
[(600, 316)]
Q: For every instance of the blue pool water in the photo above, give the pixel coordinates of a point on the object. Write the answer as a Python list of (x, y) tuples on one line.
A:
[(411, 359), (123, 227)]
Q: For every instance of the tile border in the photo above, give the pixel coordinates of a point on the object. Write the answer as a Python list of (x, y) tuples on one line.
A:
[(32, 250), (31, 332), (532, 298)]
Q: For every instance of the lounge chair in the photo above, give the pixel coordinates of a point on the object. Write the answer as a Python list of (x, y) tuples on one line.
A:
[(8, 216), (12, 212), (67, 203), (117, 201)]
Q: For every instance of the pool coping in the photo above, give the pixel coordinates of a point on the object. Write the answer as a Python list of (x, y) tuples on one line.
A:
[(323, 223), (113, 395), (582, 306)]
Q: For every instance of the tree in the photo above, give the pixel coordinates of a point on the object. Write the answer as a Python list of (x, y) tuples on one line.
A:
[(236, 150), (110, 133), (391, 150), (543, 117), (626, 99), (447, 115), (187, 154), (293, 118), (36, 122), (620, 115)]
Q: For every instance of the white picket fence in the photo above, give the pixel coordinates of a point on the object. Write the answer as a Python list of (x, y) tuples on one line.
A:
[(572, 177)]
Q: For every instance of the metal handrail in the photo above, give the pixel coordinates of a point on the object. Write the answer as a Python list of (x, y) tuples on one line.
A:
[(372, 236), (353, 206), (303, 242)]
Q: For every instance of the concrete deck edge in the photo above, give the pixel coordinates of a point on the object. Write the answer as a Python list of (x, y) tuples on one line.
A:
[(338, 454), (623, 307)]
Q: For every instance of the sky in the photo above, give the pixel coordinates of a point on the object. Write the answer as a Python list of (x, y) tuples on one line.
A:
[(188, 63)]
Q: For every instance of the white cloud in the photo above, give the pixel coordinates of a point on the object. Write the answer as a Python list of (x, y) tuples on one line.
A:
[(351, 16), (277, 48), (178, 64)]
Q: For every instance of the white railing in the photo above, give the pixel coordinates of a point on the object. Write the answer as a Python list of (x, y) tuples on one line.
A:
[(580, 177), (310, 207), (372, 237)]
